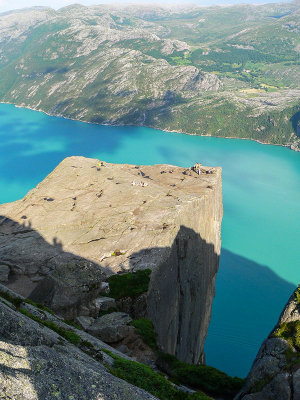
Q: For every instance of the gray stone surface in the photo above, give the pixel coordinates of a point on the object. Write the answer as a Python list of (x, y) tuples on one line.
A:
[(38, 364), (69, 287), (84, 322), (112, 327), (4, 272), (113, 218), (101, 304), (296, 384)]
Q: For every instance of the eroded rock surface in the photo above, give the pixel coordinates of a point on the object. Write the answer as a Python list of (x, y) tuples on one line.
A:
[(87, 221), (36, 363), (275, 374)]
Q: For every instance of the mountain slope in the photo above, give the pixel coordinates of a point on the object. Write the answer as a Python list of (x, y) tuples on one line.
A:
[(221, 71)]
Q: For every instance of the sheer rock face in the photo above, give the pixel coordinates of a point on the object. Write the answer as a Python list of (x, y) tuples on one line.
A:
[(87, 221), (275, 374)]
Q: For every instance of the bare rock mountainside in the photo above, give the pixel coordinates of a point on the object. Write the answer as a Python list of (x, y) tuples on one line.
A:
[(129, 241), (275, 374), (216, 71)]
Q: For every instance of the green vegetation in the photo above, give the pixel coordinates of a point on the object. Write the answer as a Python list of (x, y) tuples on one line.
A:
[(297, 294), (144, 377), (292, 358), (130, 284), (117, 253), (87, 344), (72, 323), (290, 331), (145, 329), (40, 306), (258, 386), (16, 301), (201, 377), (251, 51), (71, 336)]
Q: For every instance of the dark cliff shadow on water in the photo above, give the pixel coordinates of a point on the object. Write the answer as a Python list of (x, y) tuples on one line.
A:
[(179, 283), (249, 300)]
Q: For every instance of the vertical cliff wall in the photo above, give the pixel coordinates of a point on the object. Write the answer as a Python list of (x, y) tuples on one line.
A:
[(183, 285)]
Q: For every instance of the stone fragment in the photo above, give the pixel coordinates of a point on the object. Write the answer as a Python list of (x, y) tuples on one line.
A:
[(104, 288)]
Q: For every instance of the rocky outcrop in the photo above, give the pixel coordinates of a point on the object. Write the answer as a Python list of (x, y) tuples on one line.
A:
[(90, 220), (275, 374), (39, 364)]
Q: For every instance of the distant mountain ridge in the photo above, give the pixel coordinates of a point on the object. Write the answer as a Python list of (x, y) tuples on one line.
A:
[(219, 71)]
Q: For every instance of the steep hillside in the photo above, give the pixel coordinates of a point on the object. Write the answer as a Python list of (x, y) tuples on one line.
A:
[(222, 71)]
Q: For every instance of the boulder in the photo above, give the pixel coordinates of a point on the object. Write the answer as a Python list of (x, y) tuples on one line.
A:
[(111, 328)]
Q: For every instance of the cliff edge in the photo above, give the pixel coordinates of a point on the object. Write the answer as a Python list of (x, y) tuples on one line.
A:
[(89, 221)]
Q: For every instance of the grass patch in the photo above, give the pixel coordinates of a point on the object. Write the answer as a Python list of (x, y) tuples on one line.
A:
[(16, 301), (87, 344), (40, 306), (72, 337), (201, 377), (297, 295), (145, 329), (131, 284), (290, 331), (117, 253), (71, 323), (145, 378), (292, 358)]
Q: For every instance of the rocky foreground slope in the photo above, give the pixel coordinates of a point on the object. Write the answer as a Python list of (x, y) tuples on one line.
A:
[(43, 358), (88, 222)]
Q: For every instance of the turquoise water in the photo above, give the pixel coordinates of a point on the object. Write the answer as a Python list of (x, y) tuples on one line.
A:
[(261, 187)]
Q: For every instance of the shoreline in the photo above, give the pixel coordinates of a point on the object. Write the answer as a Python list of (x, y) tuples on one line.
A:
[(288, 146)]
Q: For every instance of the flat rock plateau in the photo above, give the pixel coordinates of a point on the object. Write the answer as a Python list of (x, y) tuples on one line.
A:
[(89, 220)]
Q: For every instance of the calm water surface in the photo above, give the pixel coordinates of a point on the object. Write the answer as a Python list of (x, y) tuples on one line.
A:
[(260, 232)]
